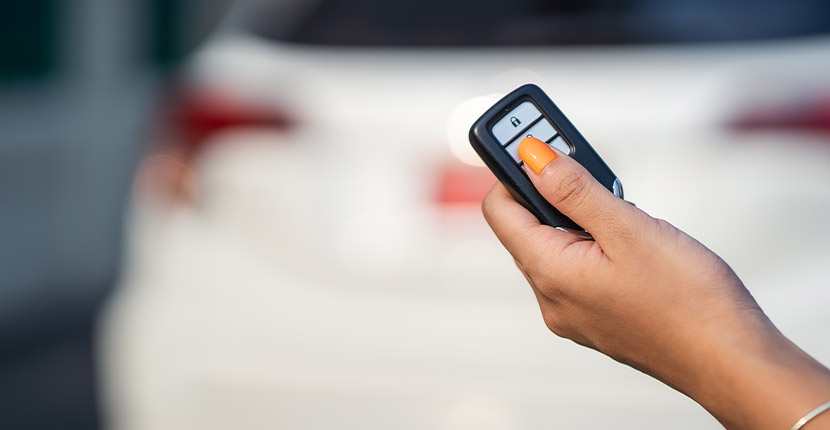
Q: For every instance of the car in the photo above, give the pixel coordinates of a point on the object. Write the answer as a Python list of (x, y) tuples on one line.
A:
[(338, 272)]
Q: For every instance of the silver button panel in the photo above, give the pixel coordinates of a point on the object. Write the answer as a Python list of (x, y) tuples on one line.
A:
[(526, 121), (513, 150), (542, 130), (561, 145), (515, 122)]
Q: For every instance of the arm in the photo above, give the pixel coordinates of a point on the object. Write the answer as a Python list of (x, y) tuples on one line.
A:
[(650, 296)]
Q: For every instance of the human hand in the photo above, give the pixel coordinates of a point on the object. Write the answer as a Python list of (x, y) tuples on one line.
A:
[(650, 296)]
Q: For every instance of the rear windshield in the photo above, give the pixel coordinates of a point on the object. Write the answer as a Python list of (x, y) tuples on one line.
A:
[(531, 22)]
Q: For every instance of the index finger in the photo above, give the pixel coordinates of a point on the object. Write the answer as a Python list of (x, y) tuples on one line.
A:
[(518, 229)]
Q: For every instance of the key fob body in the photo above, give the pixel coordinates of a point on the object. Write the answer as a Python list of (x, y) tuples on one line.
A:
[(528, 111)]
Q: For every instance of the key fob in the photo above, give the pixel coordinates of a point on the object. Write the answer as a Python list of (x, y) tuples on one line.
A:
[(528, 111)]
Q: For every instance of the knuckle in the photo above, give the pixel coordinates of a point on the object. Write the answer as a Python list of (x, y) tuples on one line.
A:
[(548, 281), (664, 231), (630, 228), (487, 206), (552, 323), (556, 324), (664, 228), (533, 265), (571, 187)]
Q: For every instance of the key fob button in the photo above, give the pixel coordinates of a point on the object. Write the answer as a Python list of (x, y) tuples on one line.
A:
[(513, 150), (561, 145), (542, 130), (515, 122)]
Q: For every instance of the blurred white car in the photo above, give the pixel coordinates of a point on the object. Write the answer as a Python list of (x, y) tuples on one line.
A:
[(340, 274)]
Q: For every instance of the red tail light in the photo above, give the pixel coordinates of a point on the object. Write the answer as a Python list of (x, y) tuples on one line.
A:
[(460, 184), (186, 120), (807, 115), (191, 116)]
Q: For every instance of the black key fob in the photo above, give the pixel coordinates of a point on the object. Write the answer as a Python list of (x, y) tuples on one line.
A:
[(528, 111)]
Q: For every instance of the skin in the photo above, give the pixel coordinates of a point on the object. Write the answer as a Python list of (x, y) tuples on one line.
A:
[(650, 296)]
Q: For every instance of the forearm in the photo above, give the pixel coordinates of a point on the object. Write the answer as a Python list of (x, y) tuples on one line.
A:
[(755, 378)]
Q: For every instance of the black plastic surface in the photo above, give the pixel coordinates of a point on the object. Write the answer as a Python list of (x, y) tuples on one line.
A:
[(513, 176)]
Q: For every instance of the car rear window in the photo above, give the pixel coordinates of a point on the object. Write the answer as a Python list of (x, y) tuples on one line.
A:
[(532, 22)]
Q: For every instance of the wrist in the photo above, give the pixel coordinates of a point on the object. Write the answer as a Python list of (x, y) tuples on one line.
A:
[(749, 376)]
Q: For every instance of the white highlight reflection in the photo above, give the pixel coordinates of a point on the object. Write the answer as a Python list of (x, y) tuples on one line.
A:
[(458, 127)]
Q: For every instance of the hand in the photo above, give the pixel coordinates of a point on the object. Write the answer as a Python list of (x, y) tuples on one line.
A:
[(650, 296)]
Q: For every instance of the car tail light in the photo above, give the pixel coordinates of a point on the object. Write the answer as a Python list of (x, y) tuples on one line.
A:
[(184, 123), (190, 116), (462, 184), (804, 115)]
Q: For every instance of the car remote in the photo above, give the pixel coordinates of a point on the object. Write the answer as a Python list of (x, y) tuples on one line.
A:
[(528, 111)]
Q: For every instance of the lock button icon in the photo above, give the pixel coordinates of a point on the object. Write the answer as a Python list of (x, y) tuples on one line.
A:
[(515, 121)]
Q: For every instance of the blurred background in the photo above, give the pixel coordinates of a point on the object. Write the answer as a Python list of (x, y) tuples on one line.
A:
[(265, 213)]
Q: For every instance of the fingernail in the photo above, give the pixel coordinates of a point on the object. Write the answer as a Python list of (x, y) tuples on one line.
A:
[(536, 154)]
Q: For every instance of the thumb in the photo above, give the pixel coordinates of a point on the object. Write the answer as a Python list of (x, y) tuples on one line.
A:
[(572, 190)]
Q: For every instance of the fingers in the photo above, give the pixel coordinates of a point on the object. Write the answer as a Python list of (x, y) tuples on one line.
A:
[(572, 190), (519, 230)]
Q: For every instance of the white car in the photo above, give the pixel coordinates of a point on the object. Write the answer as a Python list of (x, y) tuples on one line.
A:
[(340, 275)]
